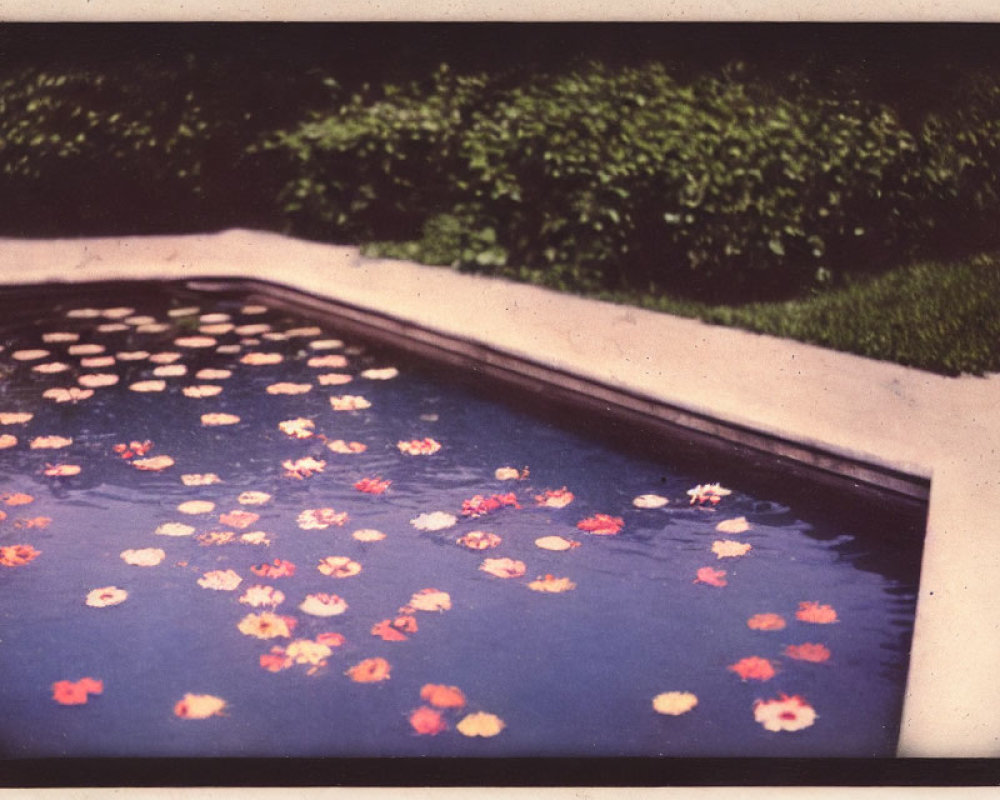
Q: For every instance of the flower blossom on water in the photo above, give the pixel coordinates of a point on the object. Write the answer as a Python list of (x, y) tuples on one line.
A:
[(303, 467), (322, 604), (266, 625), (154, 464), (148, 386), (321, 518), (73, 394), (784, 713), (503, 567), (753, 668), (199, 392), (277, 569), (371, 670), (816, 653), (383, 374), (132, 449), (368, 535), (814, 612), (146, 557), (7, 440), (50, 442), (50, 368), (199, 706), (479, 540), (298, 428), (555, 498), (253, 498), (441, 696), (434, 521), (478, 505), (333, 379), (372, 485), (332, 361), (220, 580), (106, 596), (29, 355), (165, 358), (674, 704), (708, 493), (75, 693), (395, 630), (736, 525), (95, 380), (174, 529), (349, 402), (419, 447), (195, 342), (480, 724), (33, 522), (766, 622), (601, 525), (15, 417), (289, 388), (551, 584), (555, 543), (730, 549), (215, 538), (62, 470), (262, 596), (427, 721), (196, 507), (17, 499), (346, 448), (326, 344), (339, 567), (430, 600), (510, 474), (239, 518), (60, 336), (216, 419), (261, 359), (98, 362), (17, 555), (132, 355), (209, 374), (711, 577), (170, 371), (204, 479)]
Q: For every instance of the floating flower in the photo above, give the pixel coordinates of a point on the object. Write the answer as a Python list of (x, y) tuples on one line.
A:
[(254, 309), (106, 596), (510, 474), (220, 580), (17, 499), (165, 358), (346, 448), (199, 706), (85, 349), (349, 402), (261, 359), (255, 537), (214, 317), (152, 327), (75, 693), (339, 567), (753, 668), (7, 440), (784, 713), (254, 329), (441, 696), (118, 312), (333, 379), (200, 479), (276, 660), (331, 639), (299, 428), (710, 576), (37, 523), (556, 543), (321, 518), (816, 613), (395, 630), (816, 653), (154, 464), (15, 417), (434, 521), (307, 651), (371, 670), (479, 540), (289, 388), (478, 505), (707, 493), (266, 625), (419, 447), (132, 449), (328, 362), (258, 596), (277, 569), (736, 525), (217, 419), (132, 355), (323, 605), (730, 549), (50, 368), (97, 362), (111, 327), (252, 498), (427, 722), (384, 374), (372, 485), (503, 567), (368, 535), (325, 344), (146, 387), (480, 724), (72, 394), (674, 703), (17, 555), (83, 313), (196, 342), (147, 557), (208, 374), (215, 538), (95, 380), (29, 355), (430, 600), (50, 442), (196, 507), (601, 525), (551, 584), (59, 336), (199, 392), (185, 311), (555, 498), (238, 518), (766, 622), (174, 529), (216, 329), (303, 467)]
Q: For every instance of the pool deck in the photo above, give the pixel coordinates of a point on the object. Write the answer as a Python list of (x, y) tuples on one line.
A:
[(945, 429)]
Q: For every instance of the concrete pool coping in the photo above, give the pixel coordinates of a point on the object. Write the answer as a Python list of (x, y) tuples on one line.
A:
[(890, 417)]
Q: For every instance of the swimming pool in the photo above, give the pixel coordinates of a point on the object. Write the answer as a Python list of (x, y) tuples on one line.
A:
[(643, 610)]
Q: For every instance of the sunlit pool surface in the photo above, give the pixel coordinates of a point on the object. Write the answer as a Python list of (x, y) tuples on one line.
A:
[(436, 571)]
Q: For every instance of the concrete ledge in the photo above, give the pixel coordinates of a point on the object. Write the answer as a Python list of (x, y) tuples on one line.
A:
[(882, 416)]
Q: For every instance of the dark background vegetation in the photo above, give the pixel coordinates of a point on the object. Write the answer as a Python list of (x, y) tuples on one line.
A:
[(721, 163)]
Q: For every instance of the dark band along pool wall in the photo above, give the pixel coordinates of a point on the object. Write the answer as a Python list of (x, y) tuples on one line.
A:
[(917, 423)]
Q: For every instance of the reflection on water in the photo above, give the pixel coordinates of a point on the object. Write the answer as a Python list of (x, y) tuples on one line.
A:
[(236, 629)]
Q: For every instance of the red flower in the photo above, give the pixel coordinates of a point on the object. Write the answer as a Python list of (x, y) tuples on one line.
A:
[(601, 524), (17, 555), (68, 693), (816, 653), (427, 721), (713, 577), (753, 668), (372, 485), (278, 569), (479, 505), (814, 612)]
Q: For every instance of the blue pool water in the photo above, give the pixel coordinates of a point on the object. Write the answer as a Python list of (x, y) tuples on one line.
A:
[(569, 674)]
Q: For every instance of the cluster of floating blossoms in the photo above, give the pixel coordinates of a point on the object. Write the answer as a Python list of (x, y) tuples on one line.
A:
[(64, 359)]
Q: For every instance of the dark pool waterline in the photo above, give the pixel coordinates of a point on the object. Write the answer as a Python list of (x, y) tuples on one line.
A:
[(571, 675)]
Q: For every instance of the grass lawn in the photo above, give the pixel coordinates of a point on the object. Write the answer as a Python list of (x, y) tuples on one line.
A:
[(941, 317)]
